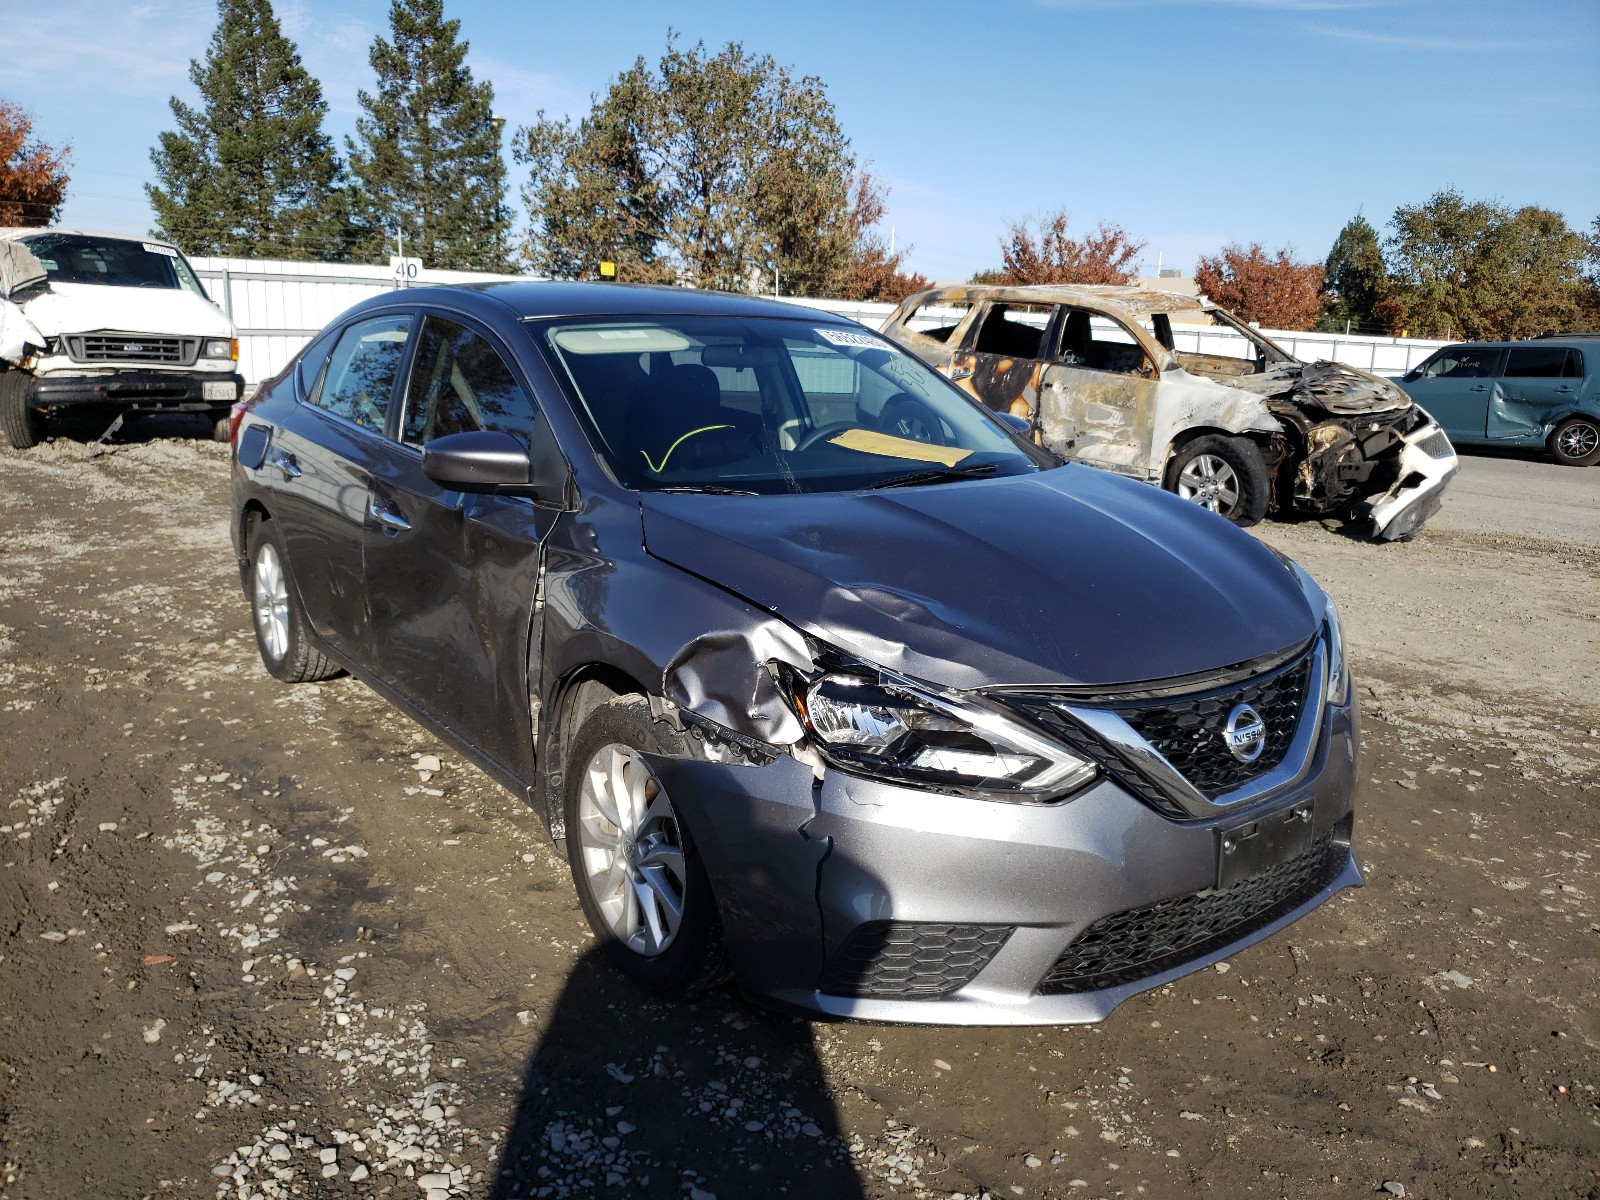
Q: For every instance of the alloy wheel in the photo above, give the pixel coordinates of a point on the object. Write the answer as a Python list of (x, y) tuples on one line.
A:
[(1578, 440), (269, 595), (631, 849), (1209, 481)]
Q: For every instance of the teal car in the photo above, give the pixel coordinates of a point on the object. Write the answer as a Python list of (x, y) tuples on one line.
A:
[(1544, 392)]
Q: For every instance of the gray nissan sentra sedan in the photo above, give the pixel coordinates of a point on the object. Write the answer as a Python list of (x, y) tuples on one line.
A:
[(825, 677)]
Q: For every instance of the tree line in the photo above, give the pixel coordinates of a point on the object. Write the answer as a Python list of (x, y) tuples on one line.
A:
[(717, 170), (1449, 268)]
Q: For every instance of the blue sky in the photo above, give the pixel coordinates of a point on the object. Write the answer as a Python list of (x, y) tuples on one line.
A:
[(1190, 122)]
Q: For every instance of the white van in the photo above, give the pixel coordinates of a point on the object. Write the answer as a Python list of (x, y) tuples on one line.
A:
[(113, 324)]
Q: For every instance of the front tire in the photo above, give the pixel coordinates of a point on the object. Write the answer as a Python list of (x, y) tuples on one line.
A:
[(636, 869), (280, 624), (1576, 442), (1224, 474), (22, 424)]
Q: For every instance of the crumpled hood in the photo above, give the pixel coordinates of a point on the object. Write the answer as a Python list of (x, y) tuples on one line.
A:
[(1071, 576), (1332, 386), (89, 307)]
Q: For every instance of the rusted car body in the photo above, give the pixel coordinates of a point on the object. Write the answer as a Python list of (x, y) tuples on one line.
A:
[(1098, 372)]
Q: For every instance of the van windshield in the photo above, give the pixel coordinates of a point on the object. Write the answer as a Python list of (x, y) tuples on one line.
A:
[(766, 405), (113, 262)]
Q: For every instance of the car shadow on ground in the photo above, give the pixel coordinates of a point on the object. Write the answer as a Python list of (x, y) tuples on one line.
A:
[(627, 1095), (135, 428)]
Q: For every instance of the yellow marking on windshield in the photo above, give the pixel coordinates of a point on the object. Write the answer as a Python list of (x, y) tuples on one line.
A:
[(676, 444), (886, 444)]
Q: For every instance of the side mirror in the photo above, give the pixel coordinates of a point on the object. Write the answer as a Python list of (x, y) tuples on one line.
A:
[(1020, 426), (478, 462)]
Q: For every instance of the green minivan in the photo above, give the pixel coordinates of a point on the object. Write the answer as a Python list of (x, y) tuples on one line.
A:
[(1544, 392)]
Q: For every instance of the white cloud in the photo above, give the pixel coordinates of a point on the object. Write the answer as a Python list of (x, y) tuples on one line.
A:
[(1487, 43)]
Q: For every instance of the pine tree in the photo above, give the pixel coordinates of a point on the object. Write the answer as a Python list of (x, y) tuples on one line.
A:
[(428, 157), (1354, 280), (250, 171)]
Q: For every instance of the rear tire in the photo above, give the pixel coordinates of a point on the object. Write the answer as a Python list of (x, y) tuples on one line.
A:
[(22, 424), (1223, 474), (1575, 442), (280, 625), (635, 867)]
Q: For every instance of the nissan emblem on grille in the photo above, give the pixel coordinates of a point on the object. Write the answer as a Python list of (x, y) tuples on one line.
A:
[(1245, 733)]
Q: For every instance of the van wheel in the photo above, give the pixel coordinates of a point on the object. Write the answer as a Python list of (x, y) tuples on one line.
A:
[(1576, 442), (22, 424), (281, 636), (637, 872), (222, 426), (1224, 474)]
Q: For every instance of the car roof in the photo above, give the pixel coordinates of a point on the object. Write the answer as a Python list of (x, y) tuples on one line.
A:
[(537, 299), (1134, 301), (24, 231)]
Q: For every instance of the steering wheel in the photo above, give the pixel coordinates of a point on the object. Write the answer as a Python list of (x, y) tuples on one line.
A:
[(912, 420), (821, 433)]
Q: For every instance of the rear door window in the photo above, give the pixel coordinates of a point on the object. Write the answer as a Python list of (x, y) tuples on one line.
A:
[(312, 359), (1541, 362), (362, 371), (461, 384), (937, 318)]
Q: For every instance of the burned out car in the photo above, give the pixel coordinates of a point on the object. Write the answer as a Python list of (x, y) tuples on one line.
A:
[(807, 699), (1172, 390)]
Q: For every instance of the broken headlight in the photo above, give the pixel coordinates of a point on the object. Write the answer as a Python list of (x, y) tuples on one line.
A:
[(898, 732)]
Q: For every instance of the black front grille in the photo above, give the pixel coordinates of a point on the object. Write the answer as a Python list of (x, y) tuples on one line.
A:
[(133, 347), (895, 958), (1141, 942), (1188, 730)]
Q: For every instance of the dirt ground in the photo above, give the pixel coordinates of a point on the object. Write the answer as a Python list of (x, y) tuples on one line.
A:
[(248, 948)]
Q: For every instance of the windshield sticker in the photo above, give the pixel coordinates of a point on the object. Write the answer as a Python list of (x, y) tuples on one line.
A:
[(843, 337), (155, 249), (888, 446)]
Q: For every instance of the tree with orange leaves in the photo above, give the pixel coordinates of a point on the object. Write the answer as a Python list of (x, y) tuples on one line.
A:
[(1051, 255), (1271, 290), (33, 176)]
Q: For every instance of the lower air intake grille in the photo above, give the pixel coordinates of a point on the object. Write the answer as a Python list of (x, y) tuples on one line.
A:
[(1141, 942), (893, 958)]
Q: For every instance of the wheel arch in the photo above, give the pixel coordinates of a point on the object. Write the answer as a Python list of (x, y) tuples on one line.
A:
[(577, 693)]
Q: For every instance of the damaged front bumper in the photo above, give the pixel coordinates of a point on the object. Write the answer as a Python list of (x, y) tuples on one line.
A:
[(1427, 463), (130, 391), (854, 898)]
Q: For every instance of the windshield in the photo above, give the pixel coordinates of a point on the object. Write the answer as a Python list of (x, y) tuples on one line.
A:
[(771, 405), (113, 262)]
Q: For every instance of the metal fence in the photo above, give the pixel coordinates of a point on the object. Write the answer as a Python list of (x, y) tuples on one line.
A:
[(278, 306)]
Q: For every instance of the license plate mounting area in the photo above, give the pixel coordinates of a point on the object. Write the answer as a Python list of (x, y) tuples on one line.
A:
[(1245, 851)]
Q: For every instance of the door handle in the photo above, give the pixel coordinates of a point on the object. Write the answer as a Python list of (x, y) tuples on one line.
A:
[(285, 462), (386, 516), (1565, 387), (960, 372), (1482, 387)]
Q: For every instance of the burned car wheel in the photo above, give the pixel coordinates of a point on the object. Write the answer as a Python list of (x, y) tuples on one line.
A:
[(638, 875), (1223, 474), (1576, 442), (280, 625), (22, 424)]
